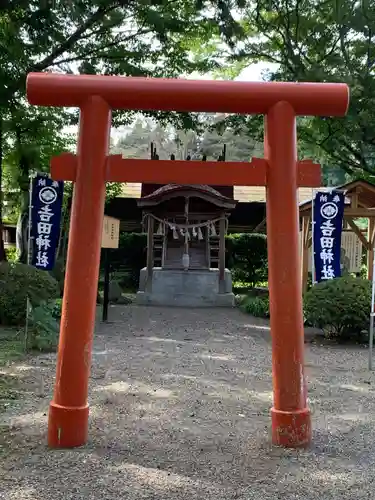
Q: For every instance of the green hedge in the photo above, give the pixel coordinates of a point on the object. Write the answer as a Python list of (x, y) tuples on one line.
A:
[(19, 281), (341, 307), (247, 257)]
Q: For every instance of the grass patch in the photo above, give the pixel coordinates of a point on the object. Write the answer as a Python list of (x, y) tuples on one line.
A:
[(8, 391), (11, 345), (256, 306)]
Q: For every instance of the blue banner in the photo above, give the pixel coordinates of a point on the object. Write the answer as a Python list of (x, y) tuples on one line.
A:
[(328, 214), (46, 203)]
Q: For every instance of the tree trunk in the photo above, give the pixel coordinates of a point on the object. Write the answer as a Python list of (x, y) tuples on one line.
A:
[(3, 257), (22, 235), (23, 219)]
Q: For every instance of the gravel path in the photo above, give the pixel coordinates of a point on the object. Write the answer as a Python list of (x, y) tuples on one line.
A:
[(180, 410)]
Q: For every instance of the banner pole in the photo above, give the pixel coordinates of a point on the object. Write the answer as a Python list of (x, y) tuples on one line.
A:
[(371, 332), (107, 265), (312, 239), (29, 259)]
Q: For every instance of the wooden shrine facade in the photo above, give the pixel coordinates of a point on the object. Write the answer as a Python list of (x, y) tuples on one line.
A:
[(186, 227), (185, 224)]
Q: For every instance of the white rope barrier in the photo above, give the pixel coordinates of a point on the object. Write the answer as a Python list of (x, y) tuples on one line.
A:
[(174, 225)]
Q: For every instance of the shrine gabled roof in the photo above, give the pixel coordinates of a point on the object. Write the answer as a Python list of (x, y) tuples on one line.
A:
[(365, 190), (174, 190), (242, 194)]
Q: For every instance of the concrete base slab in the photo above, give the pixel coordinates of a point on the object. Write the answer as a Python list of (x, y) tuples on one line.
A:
[(179, 288)]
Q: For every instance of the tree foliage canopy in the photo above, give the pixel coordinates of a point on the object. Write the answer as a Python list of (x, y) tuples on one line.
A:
[(305, 40), (183, 143), (122, 37), (321, 41)]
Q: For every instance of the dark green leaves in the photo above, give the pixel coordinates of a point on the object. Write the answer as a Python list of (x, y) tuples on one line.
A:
[(321, 41)]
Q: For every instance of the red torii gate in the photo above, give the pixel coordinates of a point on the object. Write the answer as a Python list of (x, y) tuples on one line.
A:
[(92, 168)]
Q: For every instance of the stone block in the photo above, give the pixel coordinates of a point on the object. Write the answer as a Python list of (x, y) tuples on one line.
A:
[(193, 288)]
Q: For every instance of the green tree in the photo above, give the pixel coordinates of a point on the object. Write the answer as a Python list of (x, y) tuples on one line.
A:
[(136, 143), (185, 144), (124, 37), (240, 146), (206, 141), (321, 41), (165, 140), (33, 137)]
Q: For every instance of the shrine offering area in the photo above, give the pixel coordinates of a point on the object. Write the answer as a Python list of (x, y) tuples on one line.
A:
[(180, 403)]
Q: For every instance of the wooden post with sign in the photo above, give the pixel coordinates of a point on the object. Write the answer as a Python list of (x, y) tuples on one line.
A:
[(110, 239)]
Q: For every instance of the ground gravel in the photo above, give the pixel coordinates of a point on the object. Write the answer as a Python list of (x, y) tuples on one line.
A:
[(180, 410)]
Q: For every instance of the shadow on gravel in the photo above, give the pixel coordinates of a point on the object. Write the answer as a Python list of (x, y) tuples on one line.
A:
[(180, 410)]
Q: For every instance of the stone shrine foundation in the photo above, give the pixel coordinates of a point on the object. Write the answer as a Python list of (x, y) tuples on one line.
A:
[(179, 288)]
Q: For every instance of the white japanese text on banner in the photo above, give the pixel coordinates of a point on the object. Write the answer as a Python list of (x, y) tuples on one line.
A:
[(328, 213), (46, 201)]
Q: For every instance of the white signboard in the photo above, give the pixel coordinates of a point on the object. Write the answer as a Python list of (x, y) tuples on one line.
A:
[(351, 252), (111, 232)]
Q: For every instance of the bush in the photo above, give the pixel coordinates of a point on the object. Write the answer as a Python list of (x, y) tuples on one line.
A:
[(341, 307), (44, 328), (363, 272), (58, 272), (11, 253), (56, 307), (19, 281), (256, 306), (247, 257)]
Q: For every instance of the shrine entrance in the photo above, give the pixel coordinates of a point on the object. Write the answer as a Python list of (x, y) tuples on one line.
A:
[(280, 171), (186, 228)]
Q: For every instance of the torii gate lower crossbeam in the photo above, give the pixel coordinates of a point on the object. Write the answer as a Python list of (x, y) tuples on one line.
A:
[(96, 96)]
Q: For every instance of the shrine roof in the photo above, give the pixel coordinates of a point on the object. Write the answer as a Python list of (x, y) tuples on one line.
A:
[(242, 194), (172, 190), (364, 189)]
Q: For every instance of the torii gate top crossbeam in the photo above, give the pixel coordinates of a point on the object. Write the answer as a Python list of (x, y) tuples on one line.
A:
[(152, 94)]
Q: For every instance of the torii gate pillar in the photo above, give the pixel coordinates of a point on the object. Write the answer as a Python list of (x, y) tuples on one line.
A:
[(69, 411), (279, 171), (290, 415)]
